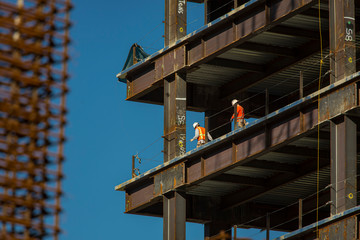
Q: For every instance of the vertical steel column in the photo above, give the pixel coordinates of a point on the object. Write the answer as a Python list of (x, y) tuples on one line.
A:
[(174, 117), (301, 85), (343, 165), (174, 208), (342, 38), (300, 212), (175, 20), (267, 226), (267, 107), (175, 89), (343, 131), (206, 128), (174, 204)]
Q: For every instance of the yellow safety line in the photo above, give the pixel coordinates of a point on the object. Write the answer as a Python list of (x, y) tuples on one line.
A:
[(318, 130)]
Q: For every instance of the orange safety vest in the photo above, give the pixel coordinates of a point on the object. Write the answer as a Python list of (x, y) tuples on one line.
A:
[(240, 113), (201, 133)]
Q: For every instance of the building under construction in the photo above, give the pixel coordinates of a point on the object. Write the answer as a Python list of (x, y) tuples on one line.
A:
[(34, 41), (293, 66)]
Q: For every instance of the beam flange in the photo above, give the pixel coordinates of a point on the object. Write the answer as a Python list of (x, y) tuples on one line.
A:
[(241, 180), (222, 62)]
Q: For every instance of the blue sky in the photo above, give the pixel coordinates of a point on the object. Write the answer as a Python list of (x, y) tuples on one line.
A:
[(104, 130)]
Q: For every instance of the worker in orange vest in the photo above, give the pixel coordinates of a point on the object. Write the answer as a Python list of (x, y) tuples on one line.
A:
[(200, 134), (240, 121)]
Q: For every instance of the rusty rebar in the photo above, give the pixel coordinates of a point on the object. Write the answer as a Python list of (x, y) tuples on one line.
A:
[(34, 43)]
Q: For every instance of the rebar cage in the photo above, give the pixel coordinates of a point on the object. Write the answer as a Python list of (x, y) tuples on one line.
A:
[(34, 39)]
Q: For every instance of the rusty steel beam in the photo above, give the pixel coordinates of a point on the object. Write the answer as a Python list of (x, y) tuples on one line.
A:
[(292, 31), (314, 12), (221, 62), (33, 74), (248, 181), (276, 50), (271, 166), (339, 226), (346, 229), (303, 151)]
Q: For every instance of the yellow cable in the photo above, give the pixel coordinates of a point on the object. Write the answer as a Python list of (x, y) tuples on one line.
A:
[(318, 132)]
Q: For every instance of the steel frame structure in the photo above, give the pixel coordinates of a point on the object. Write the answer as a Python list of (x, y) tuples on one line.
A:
[(304, 149), (34, 43)]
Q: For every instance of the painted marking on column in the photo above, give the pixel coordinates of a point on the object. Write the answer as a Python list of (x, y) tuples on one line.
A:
[(181, 5), (349, 30), (181, 120), (182, 149)]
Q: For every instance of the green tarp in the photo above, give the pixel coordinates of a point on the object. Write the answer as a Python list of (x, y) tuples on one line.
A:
[(136, 54)]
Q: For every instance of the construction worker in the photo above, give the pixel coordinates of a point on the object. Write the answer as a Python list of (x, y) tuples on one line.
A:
[(240, 121), (200, 134)]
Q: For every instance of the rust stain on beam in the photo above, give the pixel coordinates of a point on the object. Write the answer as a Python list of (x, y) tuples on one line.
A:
[(169, 180), (337, 103)]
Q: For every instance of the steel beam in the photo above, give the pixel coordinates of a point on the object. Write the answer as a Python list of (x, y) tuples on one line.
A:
[(344, 229), (342, 232), (298, 32), (241, 180), (174, 209), (222, 62), (342, 38), (343, 165), (276, 50)]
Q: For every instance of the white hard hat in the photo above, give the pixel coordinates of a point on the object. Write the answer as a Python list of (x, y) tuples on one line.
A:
[(195, 124), (234, 101)]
